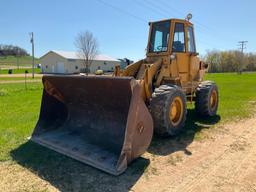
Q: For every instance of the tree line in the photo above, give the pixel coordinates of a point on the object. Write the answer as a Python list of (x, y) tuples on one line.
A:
[(6, 50), (230, 61)]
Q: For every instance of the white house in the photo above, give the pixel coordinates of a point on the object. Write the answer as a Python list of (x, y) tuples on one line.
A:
[(69, 62)]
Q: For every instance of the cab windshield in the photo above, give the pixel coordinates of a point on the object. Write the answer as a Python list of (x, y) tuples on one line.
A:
[(159, 37)]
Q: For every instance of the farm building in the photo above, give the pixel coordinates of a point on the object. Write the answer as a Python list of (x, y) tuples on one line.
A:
[(69, 62)]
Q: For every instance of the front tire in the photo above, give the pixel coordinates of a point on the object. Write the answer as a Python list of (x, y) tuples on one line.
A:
[(207, 99), (168, 109)]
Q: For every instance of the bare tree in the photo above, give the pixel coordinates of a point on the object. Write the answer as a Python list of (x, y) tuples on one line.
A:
[(87, 46)]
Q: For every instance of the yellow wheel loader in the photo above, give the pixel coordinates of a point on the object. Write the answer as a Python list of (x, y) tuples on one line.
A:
[(108, 121)]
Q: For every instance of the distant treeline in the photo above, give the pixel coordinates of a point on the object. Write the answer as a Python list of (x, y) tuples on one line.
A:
[(6, 50), (230, 61)]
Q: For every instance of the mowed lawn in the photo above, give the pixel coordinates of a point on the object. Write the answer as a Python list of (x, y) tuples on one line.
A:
[(20, 71), (3, 79), (237, 94), (19, 110), (12, 61)]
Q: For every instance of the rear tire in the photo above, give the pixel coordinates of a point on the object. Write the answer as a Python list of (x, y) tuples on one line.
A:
[(168, 110), (207, 99)]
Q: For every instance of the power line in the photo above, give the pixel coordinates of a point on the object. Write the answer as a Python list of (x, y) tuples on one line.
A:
[(121, 10), (162, 10), (157, 7), (209, 45), (152, 7), (200, 26), (143, 4)]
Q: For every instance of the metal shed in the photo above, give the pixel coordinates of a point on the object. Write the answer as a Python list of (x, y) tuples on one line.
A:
[(65, 62)]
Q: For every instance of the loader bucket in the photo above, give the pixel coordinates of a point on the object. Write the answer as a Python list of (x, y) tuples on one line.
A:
[(101, 121)]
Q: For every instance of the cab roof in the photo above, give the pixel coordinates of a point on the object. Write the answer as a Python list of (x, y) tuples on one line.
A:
[(172, 19)]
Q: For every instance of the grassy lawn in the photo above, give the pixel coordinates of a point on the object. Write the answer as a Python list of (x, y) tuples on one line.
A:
[(2, 79), (11, 61), (20, 71), (237, 94), (18, 114)]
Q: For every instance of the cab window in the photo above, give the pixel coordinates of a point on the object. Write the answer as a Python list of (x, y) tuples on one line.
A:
[(191, 40), (159, 37), (178, 44)]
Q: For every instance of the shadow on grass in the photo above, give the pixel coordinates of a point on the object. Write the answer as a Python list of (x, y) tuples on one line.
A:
[(67, 174), (194, 124)]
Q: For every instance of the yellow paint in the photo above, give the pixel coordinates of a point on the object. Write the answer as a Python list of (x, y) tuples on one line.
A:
[(159, 68)]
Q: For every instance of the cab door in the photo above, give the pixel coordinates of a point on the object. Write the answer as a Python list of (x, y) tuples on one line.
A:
[(179, 49), (191, 49)]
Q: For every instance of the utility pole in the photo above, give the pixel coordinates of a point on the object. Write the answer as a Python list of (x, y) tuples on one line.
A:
[(17, 57), (242, 46), (33, 58)]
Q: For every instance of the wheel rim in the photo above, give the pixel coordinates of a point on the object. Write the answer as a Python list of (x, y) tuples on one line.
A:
[(213, 99), (176, 111)]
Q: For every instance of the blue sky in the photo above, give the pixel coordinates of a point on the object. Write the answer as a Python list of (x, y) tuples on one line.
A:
[(121, 27)]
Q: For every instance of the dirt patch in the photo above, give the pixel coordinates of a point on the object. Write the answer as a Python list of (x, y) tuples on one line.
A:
[(225, 161), (14, 177)]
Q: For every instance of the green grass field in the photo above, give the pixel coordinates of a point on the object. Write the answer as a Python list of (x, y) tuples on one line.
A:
[(20, 71), (29, 77), (237, 94), (18, 114), (19, 109), (14, 62)]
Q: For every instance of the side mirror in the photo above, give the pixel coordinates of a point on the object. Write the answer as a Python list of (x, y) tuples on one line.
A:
[(203, 65)]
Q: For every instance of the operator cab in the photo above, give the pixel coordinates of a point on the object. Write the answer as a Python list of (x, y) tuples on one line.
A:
[(171, 36), (173, 42)]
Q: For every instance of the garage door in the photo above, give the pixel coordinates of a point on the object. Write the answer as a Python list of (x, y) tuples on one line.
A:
[(60, 67)]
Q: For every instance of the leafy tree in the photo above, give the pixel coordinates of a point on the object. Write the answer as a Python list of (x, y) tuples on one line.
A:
[(6, 50), (230, 61)]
